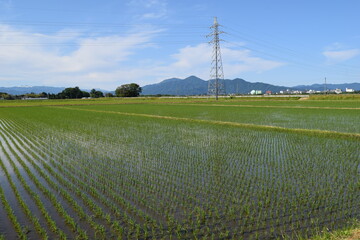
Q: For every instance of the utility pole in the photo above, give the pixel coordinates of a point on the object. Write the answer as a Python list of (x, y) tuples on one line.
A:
[(216, 82)]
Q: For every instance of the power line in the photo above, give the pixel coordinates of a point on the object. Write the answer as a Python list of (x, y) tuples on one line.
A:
[(28, 23), (258, 41), (340, 67), (290, 60), (170, 38), (106, 44)]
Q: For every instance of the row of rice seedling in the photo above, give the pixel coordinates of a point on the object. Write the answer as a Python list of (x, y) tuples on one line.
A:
[(159, 178), (340, 119), (99, 230), (61, 191), (10, 213), (107, 217), (288, 103), (42, 232), (38, 182)]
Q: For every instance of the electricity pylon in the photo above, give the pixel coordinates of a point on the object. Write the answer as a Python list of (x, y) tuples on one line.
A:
[(216, 83)]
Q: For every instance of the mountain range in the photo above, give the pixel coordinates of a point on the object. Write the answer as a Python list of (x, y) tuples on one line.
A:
[(320, 87), (194, 86), (34, 89), (38, 89)]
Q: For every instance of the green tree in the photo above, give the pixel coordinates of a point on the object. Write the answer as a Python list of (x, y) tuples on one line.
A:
[(128, 90), (3, 95), (71, 93), (85, 94), (96, 94), (43, 95)]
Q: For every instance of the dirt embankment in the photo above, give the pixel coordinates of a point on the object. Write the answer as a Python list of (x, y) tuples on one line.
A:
[(355, 236)]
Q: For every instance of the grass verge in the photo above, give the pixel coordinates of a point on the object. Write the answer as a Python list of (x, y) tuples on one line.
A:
[(335, 97), (351, 232)]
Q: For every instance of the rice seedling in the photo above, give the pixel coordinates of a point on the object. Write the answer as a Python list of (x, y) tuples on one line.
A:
[(177, 171)]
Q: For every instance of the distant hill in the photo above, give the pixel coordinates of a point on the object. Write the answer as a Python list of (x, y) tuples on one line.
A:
[(320, 87), (192, 86), (176, 86), (196, 86), (35, 89), (39, 89), (241, 86)]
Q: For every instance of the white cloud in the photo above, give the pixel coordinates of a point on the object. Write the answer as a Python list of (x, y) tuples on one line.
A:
[(196, 60), (190, 60), (109, 61), (149, 9), (145, 3), (340, 55), (39, 57), (102, 52)]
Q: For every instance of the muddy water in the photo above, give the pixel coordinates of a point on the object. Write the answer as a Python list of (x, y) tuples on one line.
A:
[(21, 217), (27, 145), (15, 146), (46, 202), (6, 227)]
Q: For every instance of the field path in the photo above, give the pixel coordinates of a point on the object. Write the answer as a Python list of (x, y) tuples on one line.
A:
[(270, 106), (192, 102), (324, 133), (355, 236)]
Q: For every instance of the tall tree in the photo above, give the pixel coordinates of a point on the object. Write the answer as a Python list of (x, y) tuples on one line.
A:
[(96, 94), (128, 90), (71, 93)]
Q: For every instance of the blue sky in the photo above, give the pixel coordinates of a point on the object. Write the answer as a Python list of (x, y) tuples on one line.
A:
[(103, 44)]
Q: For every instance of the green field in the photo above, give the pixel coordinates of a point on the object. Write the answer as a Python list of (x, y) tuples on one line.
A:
[(178, 168)]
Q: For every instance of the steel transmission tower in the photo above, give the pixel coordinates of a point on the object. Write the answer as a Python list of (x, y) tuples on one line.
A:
[(325, 87), (216, 83)]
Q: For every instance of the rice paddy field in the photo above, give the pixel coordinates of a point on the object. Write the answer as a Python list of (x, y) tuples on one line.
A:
[(178, 168)]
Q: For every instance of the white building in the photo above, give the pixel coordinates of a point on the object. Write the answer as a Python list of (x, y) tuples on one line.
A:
[(349, 90), (311, 91), (256, 92), (338, 91), (40, 98)]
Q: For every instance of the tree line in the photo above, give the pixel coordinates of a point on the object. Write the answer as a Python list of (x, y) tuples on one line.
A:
[(125, 90)]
